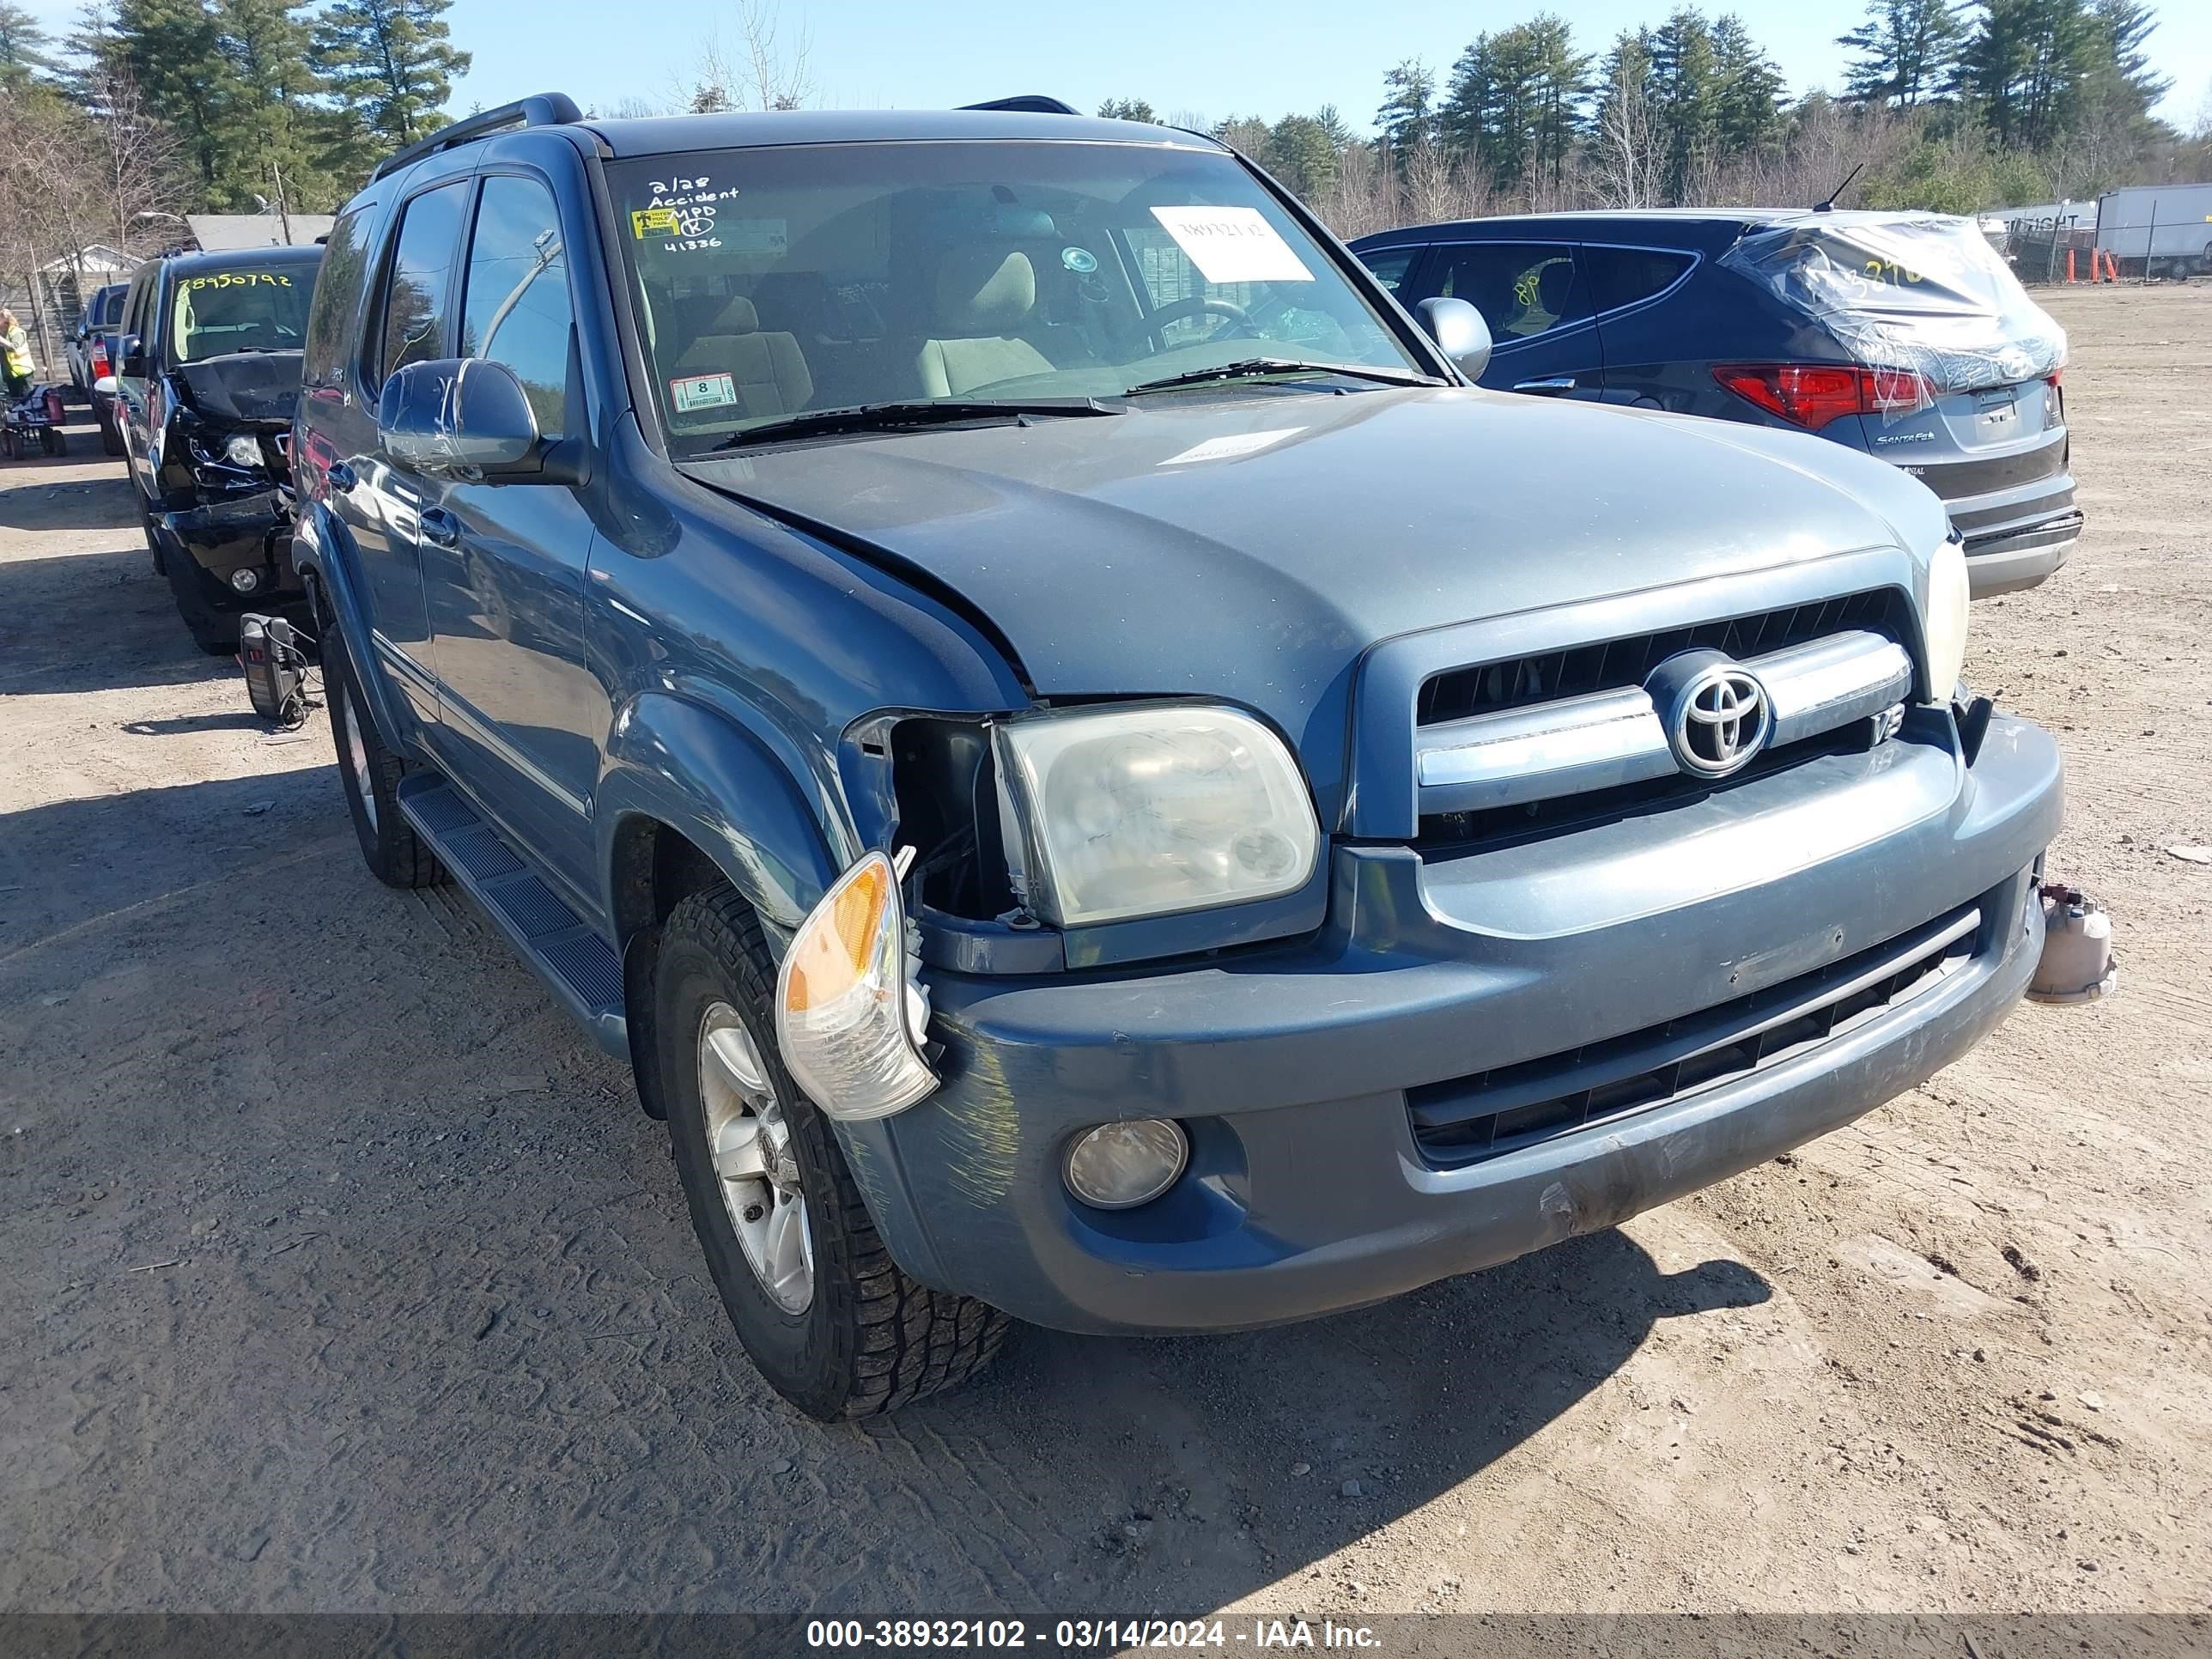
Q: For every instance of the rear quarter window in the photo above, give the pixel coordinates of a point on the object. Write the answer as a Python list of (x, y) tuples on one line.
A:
[(1620, 276)]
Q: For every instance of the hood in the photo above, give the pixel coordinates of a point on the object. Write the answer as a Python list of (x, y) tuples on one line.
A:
[(248, 388), (1253, 547)]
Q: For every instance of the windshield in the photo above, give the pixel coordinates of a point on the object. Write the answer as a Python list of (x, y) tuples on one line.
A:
[(218, 312), (773, 281)]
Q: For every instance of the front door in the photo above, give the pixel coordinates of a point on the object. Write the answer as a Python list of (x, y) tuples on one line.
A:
[(381, 504), (504, 564), (1543, 335)]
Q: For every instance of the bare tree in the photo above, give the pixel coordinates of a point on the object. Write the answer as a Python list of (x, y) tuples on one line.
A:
[(1628, 156)]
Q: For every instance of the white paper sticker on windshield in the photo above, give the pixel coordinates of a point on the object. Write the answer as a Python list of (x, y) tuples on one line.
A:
[(1232, 244)]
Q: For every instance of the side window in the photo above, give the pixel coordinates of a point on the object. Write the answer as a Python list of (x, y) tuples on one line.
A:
[(337, 293), (1621, 277), (1521, 289), (516, 308), (1390, 264), (418, 292)]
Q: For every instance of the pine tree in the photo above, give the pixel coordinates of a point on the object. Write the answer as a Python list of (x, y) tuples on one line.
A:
[(24, 46), (280, 135), (1298, 152), (1907, 52), (1747, 91), (1126, 109), (173, 49), (2123, 27), (1685, 83), (2026, 65), (1408, 115), (391, 62)]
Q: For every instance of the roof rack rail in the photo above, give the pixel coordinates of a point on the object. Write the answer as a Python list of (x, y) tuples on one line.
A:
[(1029, 103), (542, 109)]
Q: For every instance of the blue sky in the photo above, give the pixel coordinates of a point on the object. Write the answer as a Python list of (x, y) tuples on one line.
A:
[(1232, 56)]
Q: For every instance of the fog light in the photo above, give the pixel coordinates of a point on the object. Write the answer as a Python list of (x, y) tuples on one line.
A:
[(247, 580), (1118, 1166)]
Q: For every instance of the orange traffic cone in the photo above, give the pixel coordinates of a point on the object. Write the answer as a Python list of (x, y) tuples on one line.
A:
[(2069, 264)]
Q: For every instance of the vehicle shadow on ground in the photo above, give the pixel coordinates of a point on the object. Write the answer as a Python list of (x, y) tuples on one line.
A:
[(79, 490), (86, 621), (64, 863), (1212, 1466)]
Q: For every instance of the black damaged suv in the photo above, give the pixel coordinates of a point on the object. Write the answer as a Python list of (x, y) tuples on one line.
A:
[(202, 396)]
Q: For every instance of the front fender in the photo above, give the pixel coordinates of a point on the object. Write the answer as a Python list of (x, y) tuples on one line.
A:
[(700, 773), (324, 553)]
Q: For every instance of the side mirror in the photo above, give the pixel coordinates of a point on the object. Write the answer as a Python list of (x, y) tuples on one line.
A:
[(459, 415), (104, 387), (134, 359), (1459, 331)]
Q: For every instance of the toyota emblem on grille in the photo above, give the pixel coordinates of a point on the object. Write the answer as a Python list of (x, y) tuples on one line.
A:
[(1721, 719)]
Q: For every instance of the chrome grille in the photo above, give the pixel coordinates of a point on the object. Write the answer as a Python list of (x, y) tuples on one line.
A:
[(1495, 687)]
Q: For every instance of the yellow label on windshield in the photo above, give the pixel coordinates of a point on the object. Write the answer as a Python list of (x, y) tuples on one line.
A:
[(241, 279), (651, 222)]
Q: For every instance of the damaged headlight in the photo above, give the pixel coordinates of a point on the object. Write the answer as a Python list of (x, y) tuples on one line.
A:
[(240, 449), (1110, 814)]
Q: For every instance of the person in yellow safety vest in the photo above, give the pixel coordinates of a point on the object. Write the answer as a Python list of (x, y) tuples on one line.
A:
[(15, 359)]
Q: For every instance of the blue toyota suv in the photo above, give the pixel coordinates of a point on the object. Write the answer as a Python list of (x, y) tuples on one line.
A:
[(1093, 776)]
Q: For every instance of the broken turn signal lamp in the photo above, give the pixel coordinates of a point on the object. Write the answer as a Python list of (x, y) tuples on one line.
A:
[(849, 1011)]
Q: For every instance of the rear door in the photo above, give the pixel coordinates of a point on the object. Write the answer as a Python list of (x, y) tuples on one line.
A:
[(1543, 335), (522, 718), (1647, 326)]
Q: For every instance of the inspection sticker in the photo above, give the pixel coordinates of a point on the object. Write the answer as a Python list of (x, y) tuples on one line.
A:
[(651, 222), (701, 392), (1232, 244)]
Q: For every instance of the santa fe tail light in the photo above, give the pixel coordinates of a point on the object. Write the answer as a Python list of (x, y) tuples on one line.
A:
[(99, 360), (1814, 395)]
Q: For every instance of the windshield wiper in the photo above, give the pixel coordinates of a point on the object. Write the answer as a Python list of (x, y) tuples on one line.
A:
[(912, 412), (1250, 367)]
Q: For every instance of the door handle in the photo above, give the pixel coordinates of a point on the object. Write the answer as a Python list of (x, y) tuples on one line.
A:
[(341, 476), (1551, 385), (441, 527)]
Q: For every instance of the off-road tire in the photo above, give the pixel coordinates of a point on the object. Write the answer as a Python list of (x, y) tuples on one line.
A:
[(213, 631), (395, 854), (111, 435), (871, 1340)]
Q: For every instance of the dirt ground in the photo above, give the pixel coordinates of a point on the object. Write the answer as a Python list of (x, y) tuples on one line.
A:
[(338, 1271)]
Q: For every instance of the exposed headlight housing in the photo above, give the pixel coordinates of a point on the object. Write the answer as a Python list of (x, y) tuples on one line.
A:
[(240, 449), (1116, 813), (850, 1015), (1945, 618)]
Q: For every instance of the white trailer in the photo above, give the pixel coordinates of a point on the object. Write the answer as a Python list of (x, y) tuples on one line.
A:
[(2165, 230)]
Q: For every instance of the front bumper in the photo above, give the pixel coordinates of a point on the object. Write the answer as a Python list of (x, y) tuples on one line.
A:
[(1308, 1191), (247, 531)]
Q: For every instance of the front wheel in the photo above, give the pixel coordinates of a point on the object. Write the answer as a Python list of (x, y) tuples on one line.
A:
[(826, 1315), (368, 775)]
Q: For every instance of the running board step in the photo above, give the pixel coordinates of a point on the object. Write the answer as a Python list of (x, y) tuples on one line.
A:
[(581, 969)]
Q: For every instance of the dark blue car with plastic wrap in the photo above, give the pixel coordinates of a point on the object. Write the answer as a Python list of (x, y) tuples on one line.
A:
[(1904, 335), (1093, 775)]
